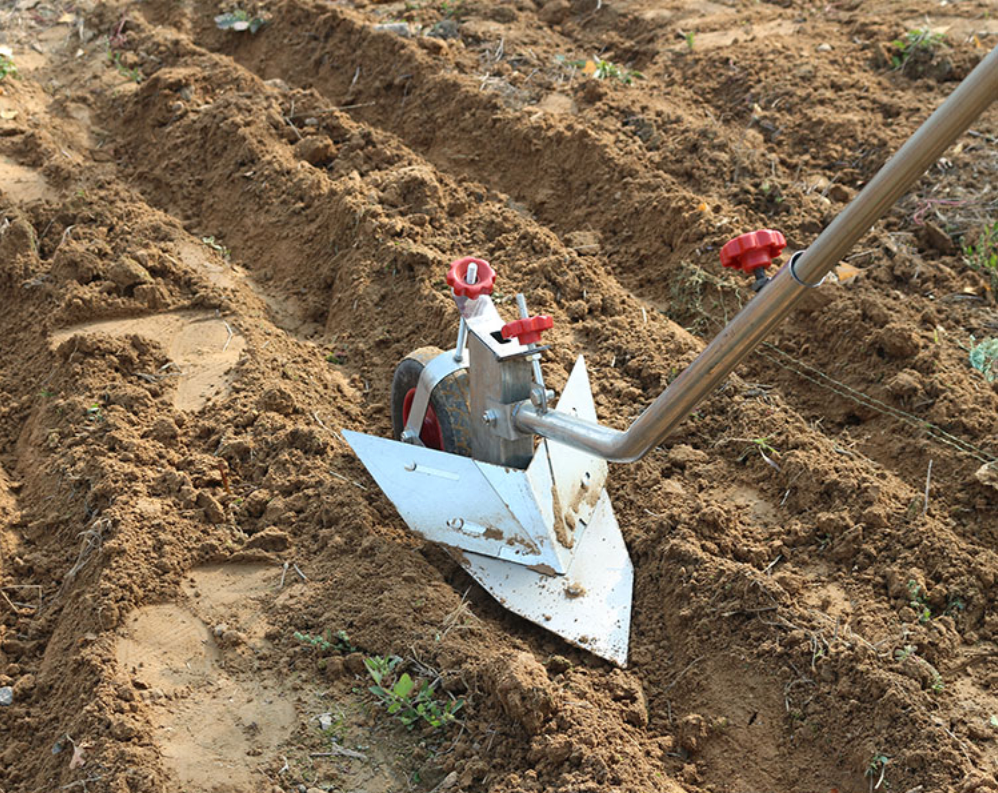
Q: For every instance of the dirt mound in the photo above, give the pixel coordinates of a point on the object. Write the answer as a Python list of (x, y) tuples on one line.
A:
[(216, 245)]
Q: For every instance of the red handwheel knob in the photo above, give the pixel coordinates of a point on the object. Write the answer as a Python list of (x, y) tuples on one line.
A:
[(457, 278), (527, 331), (751, 251)]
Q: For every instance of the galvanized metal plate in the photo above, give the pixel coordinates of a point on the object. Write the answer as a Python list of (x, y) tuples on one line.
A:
[(589, 606), (459, 502), (579, 477)]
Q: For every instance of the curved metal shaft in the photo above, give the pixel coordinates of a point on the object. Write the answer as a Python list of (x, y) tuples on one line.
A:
[(771, 306)]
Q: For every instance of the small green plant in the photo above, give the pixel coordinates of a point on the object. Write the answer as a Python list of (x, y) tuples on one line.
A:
[(937, 684), (905, 653), (954, 606), (7, 66), (690, 39), (911, 44), (94, 413), (599, 69), (338, 642), (771, 191), (403, 698), (984, 358), (982, 254), (133, 74), (876, 769), (452, 8), (918, 602), (239, 21), (216, 246)]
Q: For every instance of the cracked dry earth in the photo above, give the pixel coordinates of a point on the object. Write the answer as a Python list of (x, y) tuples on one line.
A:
[(215, 246)]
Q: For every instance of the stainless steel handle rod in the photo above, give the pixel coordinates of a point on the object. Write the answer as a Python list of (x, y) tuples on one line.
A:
[(772, 305)]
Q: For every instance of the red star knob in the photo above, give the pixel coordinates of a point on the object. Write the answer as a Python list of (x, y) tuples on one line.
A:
[(751, 251), (458, 272), (527, 331)]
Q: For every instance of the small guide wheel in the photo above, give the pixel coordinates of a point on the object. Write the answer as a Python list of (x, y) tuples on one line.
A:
[(447, 424)]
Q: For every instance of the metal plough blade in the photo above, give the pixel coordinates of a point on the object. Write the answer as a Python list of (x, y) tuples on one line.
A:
[(589, 606)]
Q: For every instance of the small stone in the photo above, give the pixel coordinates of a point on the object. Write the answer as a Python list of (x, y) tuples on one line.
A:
[(937, 239), (398, 28), (277, 83), (683, 455), (317, 150), (840, 193), (824, 48), (256, 502), (6, 696), (334, 667), (987, 475), (558, 664), (554, 12), (122, 730), (24, 686), (278, 400), (434, 46), (212, 509), (270, 539), (126, 272), (448, 782), (354, 664), (586, 243), (671, 487), (445, 29), (219, 629), (152, 295)]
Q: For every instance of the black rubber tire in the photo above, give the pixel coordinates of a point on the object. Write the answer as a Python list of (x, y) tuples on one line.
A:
[(449, 401)]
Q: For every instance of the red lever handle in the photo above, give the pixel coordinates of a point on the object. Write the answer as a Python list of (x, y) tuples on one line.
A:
[(458, 272), (751, 251), (527, 331)]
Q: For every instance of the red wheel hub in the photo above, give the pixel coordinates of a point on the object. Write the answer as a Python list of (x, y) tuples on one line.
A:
[(430, 433)]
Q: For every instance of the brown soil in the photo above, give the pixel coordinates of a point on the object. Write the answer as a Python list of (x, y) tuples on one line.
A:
[(216, 246)]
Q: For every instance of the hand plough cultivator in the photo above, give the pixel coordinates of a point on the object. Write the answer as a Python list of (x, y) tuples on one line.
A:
[(486, 464)]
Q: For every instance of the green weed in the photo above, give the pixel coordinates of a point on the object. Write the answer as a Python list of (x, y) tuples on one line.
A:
[(904, 654), (133, 74), (337, 642), (876, 769), (405, 699), (982, 254), (918, 602), (452, 8), (7, 66), (599, 69), (984, 358), (911, 44), (239, 21), (216, 246)]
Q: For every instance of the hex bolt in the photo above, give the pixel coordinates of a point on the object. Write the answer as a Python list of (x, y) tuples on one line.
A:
[(490, 418)]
